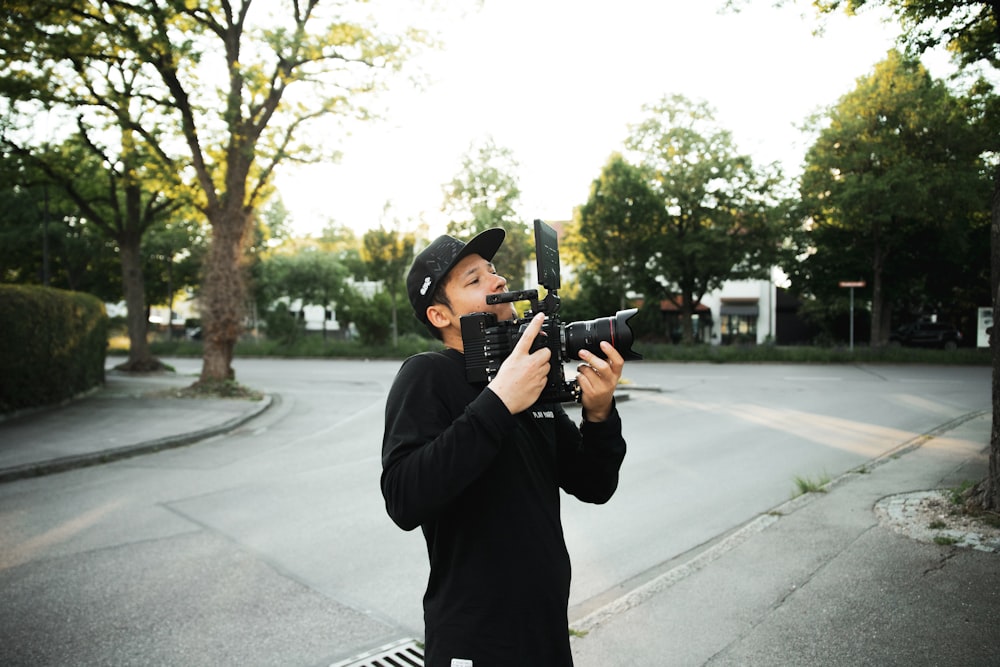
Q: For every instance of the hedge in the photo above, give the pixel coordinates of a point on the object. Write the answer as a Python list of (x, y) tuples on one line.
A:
[(54, 345)]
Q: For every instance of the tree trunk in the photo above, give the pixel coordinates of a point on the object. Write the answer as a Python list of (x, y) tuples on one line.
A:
[(687, 317), (879, 325), (139, 358), (222, 297), (990, 487)]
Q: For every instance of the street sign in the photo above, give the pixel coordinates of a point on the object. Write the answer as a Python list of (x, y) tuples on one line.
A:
[(852, 284)]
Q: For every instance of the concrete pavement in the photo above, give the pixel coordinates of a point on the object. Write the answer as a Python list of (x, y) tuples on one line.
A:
[(818, 580), (821, 581), (128, 416)]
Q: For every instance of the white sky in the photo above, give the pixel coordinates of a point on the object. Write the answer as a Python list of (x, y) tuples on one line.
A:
[(559, 81)]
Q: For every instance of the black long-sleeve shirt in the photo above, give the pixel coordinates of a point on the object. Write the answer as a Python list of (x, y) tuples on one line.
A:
[(484, 486)]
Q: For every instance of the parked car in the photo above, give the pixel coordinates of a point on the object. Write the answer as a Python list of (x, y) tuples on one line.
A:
[(927, 334)]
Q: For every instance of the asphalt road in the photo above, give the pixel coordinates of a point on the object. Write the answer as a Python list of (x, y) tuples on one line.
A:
[(282, 521)]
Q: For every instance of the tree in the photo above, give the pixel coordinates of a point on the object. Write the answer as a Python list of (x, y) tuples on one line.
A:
[(890, 187), (388, 255), (971, 31), (484, 194), (115, 193), (43, 240), (719, 217), (342, 241), (313, 277), (218, 102), (173, 254), (621, 212)]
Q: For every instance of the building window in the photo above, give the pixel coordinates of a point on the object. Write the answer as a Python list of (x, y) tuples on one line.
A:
[(739, 322)]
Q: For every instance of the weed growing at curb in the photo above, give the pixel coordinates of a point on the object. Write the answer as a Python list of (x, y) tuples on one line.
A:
[(957, 495), (807, 485)]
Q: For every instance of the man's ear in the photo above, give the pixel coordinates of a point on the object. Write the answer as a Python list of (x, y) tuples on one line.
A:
[(437, 316)]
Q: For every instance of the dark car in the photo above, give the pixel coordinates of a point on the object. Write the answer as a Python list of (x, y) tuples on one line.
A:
[(927, 334)]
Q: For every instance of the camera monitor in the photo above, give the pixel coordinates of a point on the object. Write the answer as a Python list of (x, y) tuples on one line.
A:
[(547, 256)]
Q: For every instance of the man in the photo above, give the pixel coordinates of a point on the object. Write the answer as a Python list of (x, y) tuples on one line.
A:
[(479, 468)]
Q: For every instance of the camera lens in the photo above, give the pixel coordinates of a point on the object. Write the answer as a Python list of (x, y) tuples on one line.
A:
[(588, 335)]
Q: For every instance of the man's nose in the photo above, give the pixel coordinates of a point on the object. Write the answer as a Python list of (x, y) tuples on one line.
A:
[(501, 283)]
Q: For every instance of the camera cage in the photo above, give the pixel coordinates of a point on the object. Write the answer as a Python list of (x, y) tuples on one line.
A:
[(487, 342), (547, 266)]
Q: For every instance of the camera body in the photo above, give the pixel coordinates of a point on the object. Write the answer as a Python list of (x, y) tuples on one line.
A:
[(488, 341)]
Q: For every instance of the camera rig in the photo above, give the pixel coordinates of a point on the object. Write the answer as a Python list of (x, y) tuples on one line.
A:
[(488, 342)]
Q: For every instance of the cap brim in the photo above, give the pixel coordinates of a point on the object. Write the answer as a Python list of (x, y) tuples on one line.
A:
[(484, 244)]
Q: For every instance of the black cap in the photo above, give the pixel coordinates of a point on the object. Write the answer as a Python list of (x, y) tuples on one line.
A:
[(434, 262)]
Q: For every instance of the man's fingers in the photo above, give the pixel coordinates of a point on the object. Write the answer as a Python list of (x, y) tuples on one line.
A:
[(611, 363), (614, 357), (528, 337)]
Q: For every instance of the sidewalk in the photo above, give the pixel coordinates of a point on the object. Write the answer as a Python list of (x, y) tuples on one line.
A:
[(121, 419), (819, 580)]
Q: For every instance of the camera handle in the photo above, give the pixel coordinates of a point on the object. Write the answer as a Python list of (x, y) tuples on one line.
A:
[(549, 305), (510, 297)]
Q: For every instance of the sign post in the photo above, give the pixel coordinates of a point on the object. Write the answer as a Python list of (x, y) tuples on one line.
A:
[(852, 284)]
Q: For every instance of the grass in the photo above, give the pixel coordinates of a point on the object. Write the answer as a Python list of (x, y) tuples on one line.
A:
[(958, 498), (808, 485), (805, 354), (957, 495), (222, 389)]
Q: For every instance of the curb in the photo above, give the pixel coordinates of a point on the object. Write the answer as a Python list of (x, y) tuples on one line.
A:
[(62, 464)]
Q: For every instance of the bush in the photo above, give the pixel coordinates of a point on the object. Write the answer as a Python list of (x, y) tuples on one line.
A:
[(55, 345), (373, 318), (283, 325)]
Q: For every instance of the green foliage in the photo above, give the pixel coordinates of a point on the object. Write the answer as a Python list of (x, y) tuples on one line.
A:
[(586, 298), (957, 495), (483, 195), (283, 325), (896, 195), (344, 244), (160, 96), (373, 318), (315, 277), (692, 213), (387, 255), (38, 219), (54, 345), (968, 29), (610, 228), (312, 345), (809, 485)]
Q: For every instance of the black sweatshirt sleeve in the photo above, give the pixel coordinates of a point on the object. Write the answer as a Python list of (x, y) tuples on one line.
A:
[(433, 448), (590, 457)]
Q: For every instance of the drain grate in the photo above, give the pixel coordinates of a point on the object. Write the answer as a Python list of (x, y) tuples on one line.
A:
[(402, 653)]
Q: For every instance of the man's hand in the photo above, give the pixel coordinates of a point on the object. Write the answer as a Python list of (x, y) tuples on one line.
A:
[(598, 379), (522, 376)]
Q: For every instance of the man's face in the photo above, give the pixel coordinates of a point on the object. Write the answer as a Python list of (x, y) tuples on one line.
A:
[(468, 284)]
